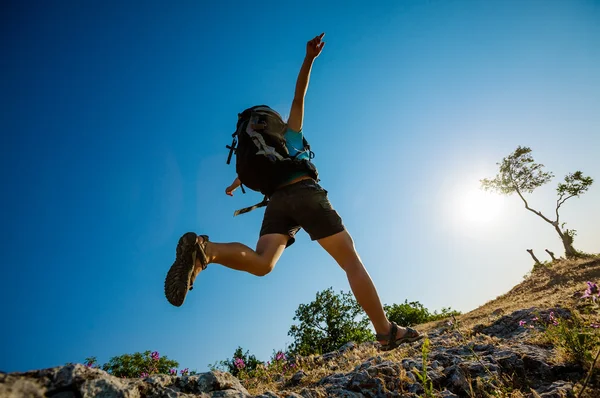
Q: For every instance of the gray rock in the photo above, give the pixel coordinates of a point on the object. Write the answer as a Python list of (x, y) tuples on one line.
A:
[(312, 393), (457, 382), (509, 361), (347, 347), (448, 394), (507, 327), (435, 365), (408, 364), (479, 369), (483, 348), (297, 378), (338, 379), (109, 387), (76, 380), (15, 387), (558, 389), (292, 395), (415, 388), (65, 394), (268, 394), (387, 368), (341, 393), (359, 380), (435, 376)]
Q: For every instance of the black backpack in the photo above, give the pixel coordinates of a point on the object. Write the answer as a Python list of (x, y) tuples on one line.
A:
[(262, 159)]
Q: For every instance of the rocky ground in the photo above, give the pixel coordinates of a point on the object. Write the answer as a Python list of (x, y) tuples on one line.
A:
[(497, 350)]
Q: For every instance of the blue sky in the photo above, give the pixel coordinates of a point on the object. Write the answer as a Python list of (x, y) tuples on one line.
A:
[(114, 121)]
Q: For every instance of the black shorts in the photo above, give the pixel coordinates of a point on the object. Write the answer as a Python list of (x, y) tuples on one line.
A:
[(303, 204)]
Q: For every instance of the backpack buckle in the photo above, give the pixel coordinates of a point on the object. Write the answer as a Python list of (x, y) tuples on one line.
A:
[(231, 148)]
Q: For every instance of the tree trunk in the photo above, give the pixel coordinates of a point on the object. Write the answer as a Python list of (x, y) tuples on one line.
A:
[(551, 254), (567, 241), (537, 262)]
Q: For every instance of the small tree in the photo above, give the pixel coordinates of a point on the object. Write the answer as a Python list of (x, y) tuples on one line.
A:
[(327, 323), (519, 174)]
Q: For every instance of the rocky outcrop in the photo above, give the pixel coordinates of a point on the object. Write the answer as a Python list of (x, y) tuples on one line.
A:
[(496, 357), (79, 381)]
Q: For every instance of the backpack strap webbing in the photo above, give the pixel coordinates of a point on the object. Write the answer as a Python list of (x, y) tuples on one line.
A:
[(264, 202)]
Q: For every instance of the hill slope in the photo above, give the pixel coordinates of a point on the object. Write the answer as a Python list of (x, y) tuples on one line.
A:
[(537, 340)]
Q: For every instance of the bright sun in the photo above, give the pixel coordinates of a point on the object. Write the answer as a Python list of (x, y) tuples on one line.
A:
[(480, 207)]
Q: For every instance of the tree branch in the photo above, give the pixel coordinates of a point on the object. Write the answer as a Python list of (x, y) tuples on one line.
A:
[(560, 202), (538, 213)]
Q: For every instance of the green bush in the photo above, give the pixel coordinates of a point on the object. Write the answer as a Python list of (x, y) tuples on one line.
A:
[(137, 364), (414, 313)]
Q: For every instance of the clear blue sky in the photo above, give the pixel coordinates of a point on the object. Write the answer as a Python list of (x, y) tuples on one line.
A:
[(114, 120)]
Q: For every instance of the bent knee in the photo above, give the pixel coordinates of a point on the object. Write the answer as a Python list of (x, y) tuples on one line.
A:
[(264, 269)]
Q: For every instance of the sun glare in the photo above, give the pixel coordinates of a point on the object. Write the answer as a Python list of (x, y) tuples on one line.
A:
[(480, 207)]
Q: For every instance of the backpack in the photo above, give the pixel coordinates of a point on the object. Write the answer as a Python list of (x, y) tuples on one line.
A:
[(263, 161)]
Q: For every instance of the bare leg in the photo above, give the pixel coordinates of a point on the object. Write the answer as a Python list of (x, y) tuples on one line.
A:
[(240, 257), (341, 247)]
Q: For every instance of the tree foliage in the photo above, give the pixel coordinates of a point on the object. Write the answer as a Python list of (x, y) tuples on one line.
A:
[(415, 313), (518, 173), (327, 323)]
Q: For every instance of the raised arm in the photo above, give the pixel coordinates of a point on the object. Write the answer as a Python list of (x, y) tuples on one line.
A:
[(313, 49)]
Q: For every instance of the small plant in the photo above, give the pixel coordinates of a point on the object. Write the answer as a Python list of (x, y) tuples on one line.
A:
[(240, 365), (279, 366), (592, 292), (425, 381), (575, 338), (139, 365)]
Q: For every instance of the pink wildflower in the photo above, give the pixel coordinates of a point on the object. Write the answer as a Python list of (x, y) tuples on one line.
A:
[(592, 291), (553, 319), (239, 363)]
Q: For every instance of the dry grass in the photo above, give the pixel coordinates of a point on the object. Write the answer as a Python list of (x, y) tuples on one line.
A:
[(558, 285)]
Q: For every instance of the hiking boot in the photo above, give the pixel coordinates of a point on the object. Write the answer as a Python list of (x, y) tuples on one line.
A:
[(179, 278)]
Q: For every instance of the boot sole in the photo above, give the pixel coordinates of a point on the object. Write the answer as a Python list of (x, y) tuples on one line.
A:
[(177, 282)]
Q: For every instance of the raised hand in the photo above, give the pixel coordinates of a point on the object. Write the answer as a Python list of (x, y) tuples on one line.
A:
[(315, 46), (229, 190)]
